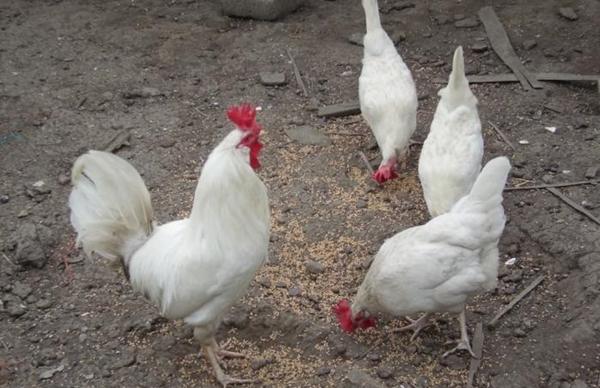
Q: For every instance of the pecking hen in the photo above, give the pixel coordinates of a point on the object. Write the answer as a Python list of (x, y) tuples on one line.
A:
[(387, 94), (436, 267)]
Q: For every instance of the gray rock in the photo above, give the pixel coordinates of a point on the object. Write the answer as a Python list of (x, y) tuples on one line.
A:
[(519, 333), (50, 372), (579, 384), (398, 36), (442, 19), (359, 378), (63, 179), (529, 44), (260, 9), (361, 204), (323, 371), (150, 92), (314, 266), (568, 13), (21, 290), (127, 359), (591, 172), (467, 23), (4, 199), (385, 373), (268, 78), (259, 364), (294, 291), (32, 245), (307, 135), (15, 310), (237, 319), (356, 38)]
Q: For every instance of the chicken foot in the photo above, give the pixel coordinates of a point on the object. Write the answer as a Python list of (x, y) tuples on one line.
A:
[(415, 324), (222, 353), (463, 342), (211, 351)]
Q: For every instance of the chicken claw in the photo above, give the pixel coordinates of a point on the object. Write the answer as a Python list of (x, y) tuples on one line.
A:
[(224, 379), (463, 342), (415, 324), (222, 353)]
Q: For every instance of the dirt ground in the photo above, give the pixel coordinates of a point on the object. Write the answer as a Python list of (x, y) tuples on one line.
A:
[(75, 74)]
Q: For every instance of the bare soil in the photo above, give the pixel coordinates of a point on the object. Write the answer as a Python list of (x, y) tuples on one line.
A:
[(74, 74)]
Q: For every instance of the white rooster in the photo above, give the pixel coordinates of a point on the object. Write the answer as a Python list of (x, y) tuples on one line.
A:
[(451, 156), (436, 267), (195, 268), (387, 94)]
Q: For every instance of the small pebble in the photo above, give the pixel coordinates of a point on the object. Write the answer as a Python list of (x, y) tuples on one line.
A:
[(294, 291), (568, 13), (323, 371), (4, 198), (314, 266), (479, 47), (63, 179), (528, 44), (384, 373), (467, 23)]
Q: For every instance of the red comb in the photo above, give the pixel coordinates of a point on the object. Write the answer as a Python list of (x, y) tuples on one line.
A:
[(343, 313), (244, 117)]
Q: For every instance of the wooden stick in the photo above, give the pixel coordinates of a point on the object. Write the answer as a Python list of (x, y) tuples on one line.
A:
[(502, 46), (297, 74), (565, 184), (573, 204), (516, 300), (478, 350), (502, 135), (7, 259), (347, 133), (510, 77)]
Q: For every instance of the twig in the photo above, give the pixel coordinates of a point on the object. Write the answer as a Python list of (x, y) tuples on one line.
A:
[(565, 184), (516, 300), (573, 204), (367, 163), (478, 350), (502, 135), (347, 133), (297, 74), (7, 259)]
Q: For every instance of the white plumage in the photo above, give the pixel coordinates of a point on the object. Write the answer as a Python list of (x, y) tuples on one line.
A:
[(195, 268), (451, 156), (387, 94), (436, 267)]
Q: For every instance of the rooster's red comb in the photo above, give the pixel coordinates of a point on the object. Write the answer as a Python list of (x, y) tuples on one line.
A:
[(244, 117)]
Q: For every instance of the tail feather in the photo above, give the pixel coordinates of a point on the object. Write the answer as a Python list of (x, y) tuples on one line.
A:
[(110, 205), (457, 92), (491, 180)]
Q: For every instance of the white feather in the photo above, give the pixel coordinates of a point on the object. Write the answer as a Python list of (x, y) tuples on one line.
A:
[(436, 267), (386, 90), (451, 155)]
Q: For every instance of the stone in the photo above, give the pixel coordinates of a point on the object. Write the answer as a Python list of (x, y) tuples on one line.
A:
[(31, 250), (385, 373), (356, 38), (237, 319), (467, 23), (361, 204), (4, 199), (398, 36), (323, 371), (268, 78), (63, 179), (579, 384), (442, 19), (359, 378), (150, 92), (21, 290), (591, 172), (528, 44), (307, 135), (260, 9), (519, 333), (294, 291), (167, 143), (16, 310), (568, 13), (314, 266), (259, 364), (127, 359), (50, 372)]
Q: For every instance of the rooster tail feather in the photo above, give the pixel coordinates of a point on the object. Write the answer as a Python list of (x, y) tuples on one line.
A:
[(110, 206), (457, 92), (458, 79)]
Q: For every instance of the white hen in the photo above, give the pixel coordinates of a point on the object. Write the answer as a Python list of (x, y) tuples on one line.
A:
[(387, 94), (436, 267), (451, 156), (195, 268)]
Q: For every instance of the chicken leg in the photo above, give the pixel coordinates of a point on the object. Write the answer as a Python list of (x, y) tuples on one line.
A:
[(415, 324), (222, 353), (211, 351), (463, 342)]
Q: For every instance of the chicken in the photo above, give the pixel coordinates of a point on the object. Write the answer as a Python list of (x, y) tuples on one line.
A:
[(387, 94), (194, 268), (451, 155), (436, 267)]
